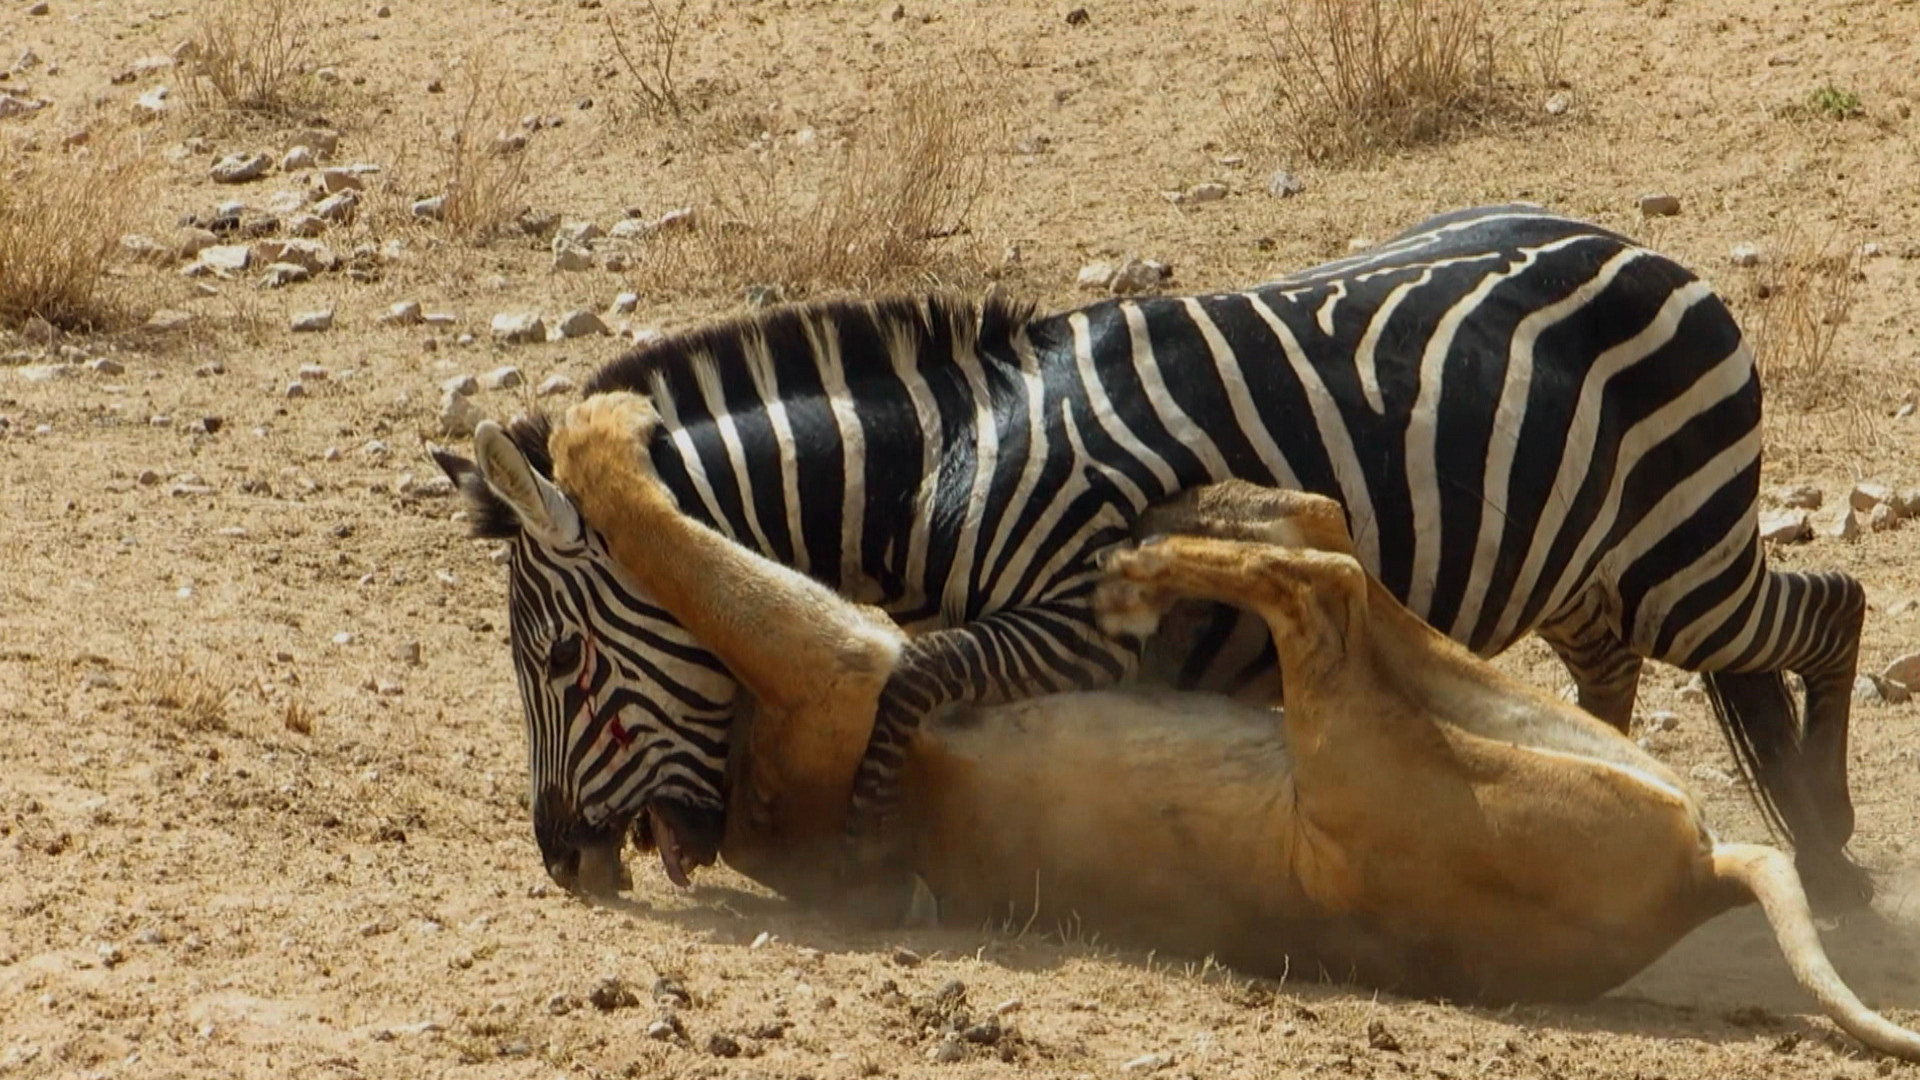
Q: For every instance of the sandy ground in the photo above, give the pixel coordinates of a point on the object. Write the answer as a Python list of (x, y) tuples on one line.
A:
[(261, 768)]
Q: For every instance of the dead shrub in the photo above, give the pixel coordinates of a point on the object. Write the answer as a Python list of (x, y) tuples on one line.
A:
[(62, 216), (257, 57), (1356, 77), (653, 56), (196, 696), (868, 213), (1801, 295), (479, 159)]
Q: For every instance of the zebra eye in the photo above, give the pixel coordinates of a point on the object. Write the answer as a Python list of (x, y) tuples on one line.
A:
[(564, 657)]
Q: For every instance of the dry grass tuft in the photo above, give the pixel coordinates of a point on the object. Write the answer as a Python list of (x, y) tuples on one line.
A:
[(198, 697), (1357, 77), (877, 210), (479, 158), (1800, 298), (257, 57), (653, 55), (296, 717), (61, 219)]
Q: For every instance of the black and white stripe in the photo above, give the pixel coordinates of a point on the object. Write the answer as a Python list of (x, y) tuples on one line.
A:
[(1533, 424)]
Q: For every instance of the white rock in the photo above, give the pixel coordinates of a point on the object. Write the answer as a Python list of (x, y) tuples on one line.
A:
[(625, 303), (1744, 255), (630, 229), (1905, 671), (296, 389), (580, 233), (334, 181), (300, 157), (432, 209), (1558, 104), (1137, 275), (240, 168), (286, 201), (1803, 497), (1095, 277), (310, 254), (108, 366), (458, 415), (1865, 497), (338, 208), (1147, 1063), (502, 378), (169, 321), (314, 373), (152, 105), (226, 259), (569, 256), (404, 313), (145, 249), (518, 329), (461, 385), (580, 323), (1211, 191), (313, 322), (1285, 184), (191, 241), (1866, 691), (1785, 527), (1659, 205), (281, 274), (1883, 518), (1846, 526), (675, 219), (554, 386)]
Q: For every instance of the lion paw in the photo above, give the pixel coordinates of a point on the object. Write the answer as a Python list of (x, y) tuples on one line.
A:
[(1125, 604), (604, 439)]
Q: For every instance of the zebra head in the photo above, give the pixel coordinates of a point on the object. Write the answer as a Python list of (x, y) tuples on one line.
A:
[(627, 715)]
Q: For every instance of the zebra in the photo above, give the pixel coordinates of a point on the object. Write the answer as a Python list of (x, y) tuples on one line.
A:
[(1534, 424)]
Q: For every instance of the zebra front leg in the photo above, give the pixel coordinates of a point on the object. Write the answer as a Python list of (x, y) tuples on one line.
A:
[(1605, 671)]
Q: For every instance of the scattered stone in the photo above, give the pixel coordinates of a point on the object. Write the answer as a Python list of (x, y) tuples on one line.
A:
[(612, 993), (404, 313), (1864, 497), (1803, 497), (625, 303), (433, 209), (666, 1029), (1744, 255), (580, 232), (1868, 690), (313, 322), (285, 201), (1138, 275), (502, 378), (1147, 1063), (1905, 410), (305, 225), (12, 105), (312, 255), (240, 168), (674, 219), (1379, 1038), (168, 321), (760, 296), (1095, 277), (1558, 104), (1883, 518), (562, 1004), (580, 323), (570, 257), (668, 991), (1907, 502), (948, 1050), (1905, 671), (458, 415), (152, 105), (1785, 527), (518, 329), (1210, 191), (554, 386), (1844, 527), (335, 181), (282, 274), (338, 208), (463, 385), (1284, 185), (226, 259), (314, 373), (145, 249), (321, 141), (300, 157), (985, 1033), (1359, 244), (721, 1044), (296, 389), (108, 366), (1659, 205)]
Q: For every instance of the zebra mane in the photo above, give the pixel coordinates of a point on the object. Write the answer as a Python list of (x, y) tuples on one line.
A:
[(861, 339)]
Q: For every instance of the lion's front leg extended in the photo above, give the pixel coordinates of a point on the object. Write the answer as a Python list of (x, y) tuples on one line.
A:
[(814, 661)]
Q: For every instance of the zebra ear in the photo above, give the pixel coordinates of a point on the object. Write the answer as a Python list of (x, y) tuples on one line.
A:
[(540, 506)]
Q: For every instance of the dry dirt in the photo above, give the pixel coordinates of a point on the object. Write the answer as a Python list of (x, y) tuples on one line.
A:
[(241, 832)]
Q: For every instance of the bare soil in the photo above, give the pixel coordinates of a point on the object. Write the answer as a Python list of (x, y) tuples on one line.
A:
[(243, 832)]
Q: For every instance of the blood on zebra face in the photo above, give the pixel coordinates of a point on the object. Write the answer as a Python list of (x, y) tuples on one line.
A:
[(627, 715)]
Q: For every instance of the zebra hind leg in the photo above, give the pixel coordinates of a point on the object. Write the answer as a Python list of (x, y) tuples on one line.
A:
[(1799, 773)]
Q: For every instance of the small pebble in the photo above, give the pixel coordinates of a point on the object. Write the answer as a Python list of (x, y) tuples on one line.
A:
[(502, 378), (1659, 205), (554, 386), (313, 322)]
